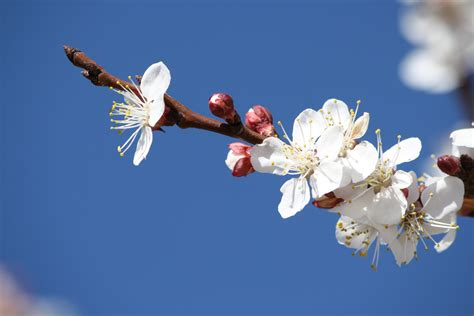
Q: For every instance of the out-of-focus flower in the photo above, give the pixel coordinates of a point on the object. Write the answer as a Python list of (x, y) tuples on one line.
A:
[(311, 155), (260, 120), (14, 302), (142, 109), (463, 141), (379, 197), (443, 31), (238, 160), (222, 105)]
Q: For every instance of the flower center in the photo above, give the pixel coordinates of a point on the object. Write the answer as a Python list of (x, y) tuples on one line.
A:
[(134, 113)]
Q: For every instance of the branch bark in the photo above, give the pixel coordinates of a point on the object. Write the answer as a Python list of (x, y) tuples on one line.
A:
[(183, 117)]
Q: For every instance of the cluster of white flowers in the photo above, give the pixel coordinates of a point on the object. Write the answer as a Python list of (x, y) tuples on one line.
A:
[(376, 201), (443, 31)]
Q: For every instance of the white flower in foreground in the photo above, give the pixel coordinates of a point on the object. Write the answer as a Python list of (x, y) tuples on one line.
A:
[(430, 213), (142, 109), (463, 142), (360, 158), (311, 155), (443, 31), (379, 197)]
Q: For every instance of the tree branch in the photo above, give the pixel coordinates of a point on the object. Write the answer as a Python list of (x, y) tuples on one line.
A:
[(181, 115)]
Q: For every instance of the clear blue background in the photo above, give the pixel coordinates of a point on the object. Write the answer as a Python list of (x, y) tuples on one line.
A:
[(179, 235)]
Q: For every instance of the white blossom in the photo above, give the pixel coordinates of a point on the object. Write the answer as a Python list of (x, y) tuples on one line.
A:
[(141, 110), (311, 155), (379, 197)]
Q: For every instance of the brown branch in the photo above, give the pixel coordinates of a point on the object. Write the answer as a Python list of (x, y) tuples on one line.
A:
[(466, 95), (182, 115)]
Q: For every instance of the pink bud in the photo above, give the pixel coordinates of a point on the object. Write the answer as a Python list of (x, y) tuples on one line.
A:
[(405, 192), (240, 149), (260, 120), (449, 164), (243, 167), (222, 105), (238, 160)]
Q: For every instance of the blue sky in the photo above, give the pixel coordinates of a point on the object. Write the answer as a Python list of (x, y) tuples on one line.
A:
[(179, 235)]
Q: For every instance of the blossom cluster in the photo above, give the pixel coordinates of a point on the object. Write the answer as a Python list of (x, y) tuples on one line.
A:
[(328, 161), (378, 203)]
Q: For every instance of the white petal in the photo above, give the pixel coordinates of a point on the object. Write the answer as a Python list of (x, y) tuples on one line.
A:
[(413, 189), (356, 207), (155, 81), (143, 145), (405, 151), (337, 112), (328, 176), (156, 108), (268, 157), (463, 137), (387, 207), (232, 159), (296, 195), (407, 249), (389, 236), (447, 241), (446, 197), (401, 179), (362, 161), (449, 238), (307, 127), (360, 126), (330, 143), (353, 234)]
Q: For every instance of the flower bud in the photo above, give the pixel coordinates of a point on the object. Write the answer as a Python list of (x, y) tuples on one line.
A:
[(449, 164), (260, 120), (238, 160), (222, 105), (328, 201)]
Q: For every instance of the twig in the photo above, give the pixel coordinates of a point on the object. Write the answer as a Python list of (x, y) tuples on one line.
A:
[(182, 115)]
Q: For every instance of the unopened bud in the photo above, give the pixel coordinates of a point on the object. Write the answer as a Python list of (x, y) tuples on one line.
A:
[(222, 105), (260, 120), (449, 164), (238, 160), (405, 192), (328, 201)]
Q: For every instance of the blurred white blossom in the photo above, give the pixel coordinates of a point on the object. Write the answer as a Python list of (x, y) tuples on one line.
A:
[(15, 302), (443, 33)]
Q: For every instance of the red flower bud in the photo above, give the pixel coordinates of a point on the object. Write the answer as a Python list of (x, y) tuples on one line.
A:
[(243, 167), (449, 164), (260, 120), (405, 192), (238, 160), (222, 105)]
